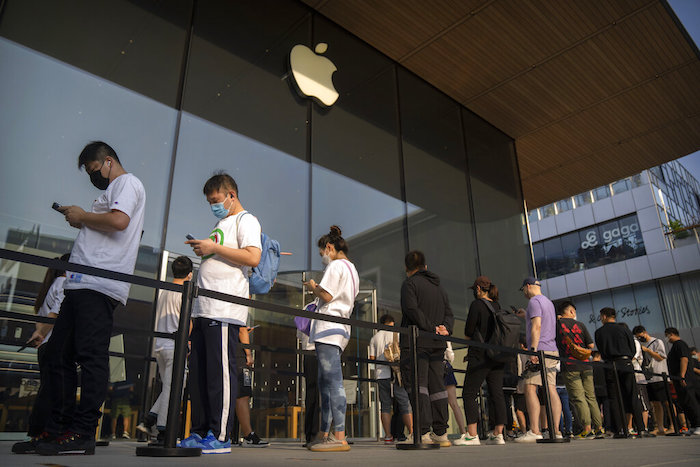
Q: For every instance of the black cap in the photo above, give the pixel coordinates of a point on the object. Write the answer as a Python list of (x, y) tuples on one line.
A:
[(530, 281)]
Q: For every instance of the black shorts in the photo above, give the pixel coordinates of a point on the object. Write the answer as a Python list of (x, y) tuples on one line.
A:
[(519, 402), (657, 391)]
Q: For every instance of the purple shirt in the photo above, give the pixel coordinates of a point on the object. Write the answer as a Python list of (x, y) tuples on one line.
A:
[(541, 306)]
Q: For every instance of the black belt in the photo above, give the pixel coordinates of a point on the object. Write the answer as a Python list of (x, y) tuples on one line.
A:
[(622, 359)]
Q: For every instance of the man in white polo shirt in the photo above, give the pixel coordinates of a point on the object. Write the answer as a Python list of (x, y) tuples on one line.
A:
[(109, 238)]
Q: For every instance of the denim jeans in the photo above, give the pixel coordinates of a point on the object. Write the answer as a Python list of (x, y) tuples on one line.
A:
[(330, 386), (565, 422)]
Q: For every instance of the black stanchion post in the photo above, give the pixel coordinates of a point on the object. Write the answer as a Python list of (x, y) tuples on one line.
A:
[(178, 376), (621, 405), (672, 409), (413, 351), (548, 405)]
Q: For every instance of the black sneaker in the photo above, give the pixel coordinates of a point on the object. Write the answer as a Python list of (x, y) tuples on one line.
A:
[(253, 441), (29, 447), (67, 444), (646, 434)]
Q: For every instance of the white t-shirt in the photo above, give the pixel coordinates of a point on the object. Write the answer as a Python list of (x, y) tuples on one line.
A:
[(341, 281), (52, 302), (168, 317), (657, 345), (637, 362), (380, 341), (218, 273), (115, 251)]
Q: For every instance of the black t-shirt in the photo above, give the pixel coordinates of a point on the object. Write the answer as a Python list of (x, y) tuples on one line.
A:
[(615, 340), (578, 333), (479, 326), (679, 350)]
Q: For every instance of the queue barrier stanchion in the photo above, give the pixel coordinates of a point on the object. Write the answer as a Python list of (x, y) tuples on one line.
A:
[(621, 406), (178, 375), (413, 351), (548, 405), (672, 409)]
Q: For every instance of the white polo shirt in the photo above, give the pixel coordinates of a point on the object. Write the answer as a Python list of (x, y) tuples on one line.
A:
[(52, 302)]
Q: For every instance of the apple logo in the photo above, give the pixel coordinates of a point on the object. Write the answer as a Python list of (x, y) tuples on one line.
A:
[(313, 73)]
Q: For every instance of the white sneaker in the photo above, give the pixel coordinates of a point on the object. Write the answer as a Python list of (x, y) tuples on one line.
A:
[(427, 439), (465, 440), (528, 437), (696, 431), (442, 440), (559, 436), (495, 439)]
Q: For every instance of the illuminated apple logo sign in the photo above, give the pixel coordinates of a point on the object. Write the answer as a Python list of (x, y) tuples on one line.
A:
[(313, 73)]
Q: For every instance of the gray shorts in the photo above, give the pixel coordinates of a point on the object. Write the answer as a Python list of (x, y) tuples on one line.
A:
[(400, 394)]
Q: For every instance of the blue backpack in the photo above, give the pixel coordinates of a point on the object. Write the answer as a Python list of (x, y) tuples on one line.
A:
[(264, 274)]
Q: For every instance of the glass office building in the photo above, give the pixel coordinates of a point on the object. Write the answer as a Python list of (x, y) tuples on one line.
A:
[(632, 244), (182, 91)]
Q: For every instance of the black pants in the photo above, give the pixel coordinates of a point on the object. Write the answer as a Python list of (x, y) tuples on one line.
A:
[(213, 382), (688, 401), (432, 395), (477, 372), (630, 397), (311, 418), (41, 411), (80, 336)]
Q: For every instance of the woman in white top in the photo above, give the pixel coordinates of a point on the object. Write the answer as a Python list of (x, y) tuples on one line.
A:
[(47, 304), (336, 293)]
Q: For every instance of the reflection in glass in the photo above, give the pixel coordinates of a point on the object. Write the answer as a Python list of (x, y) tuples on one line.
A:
[(601, 192), (583, 198), (626, 307), (650, 313)]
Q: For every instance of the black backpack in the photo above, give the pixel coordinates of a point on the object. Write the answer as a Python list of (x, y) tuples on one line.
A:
[(647, 360), (506, 333)]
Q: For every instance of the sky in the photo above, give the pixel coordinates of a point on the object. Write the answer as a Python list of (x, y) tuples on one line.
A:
[(688, 11)]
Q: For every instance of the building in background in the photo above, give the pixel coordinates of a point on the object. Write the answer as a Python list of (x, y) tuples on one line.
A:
[(632, 244)]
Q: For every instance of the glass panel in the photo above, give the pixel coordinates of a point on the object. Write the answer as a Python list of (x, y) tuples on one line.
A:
[(548, 210), (591, 246), (555, 258), (674, 303), (583, 198), (601, 193), (499, 215), (572, 253), (585, 313), (436, 188), (691, 289), (600, 300), (565, 205), (636, 180), (610, 240), (138, 44), (632, 241), (533, 216), (620, 186), (650, 312), (540, 260)]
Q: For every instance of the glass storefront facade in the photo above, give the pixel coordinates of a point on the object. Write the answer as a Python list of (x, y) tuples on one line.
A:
[(181, 92), (609, 242)]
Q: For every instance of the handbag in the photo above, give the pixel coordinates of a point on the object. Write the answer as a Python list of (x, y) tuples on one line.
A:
[(392, 353), (303, 323), (576, 351)]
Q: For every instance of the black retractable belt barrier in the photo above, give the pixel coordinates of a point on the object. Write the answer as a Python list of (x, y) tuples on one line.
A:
[(548, 405), (172, 427), (672, 408), (413, 351)]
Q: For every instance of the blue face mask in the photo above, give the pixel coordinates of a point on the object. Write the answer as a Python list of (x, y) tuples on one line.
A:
[(219, 210)]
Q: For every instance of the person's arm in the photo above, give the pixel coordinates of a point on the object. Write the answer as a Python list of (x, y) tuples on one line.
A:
[(409, 307), (535, 329), (684, 368), (41, 331), (248, 256), (318, 291), (112, 221), (449, 319), (244, 338), (654, 355), (472, 321)]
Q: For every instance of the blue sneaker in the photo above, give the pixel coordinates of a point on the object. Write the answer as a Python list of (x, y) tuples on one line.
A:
[(192, 441), (211, 445)]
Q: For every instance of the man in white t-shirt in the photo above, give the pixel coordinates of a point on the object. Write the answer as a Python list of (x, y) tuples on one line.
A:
[(388, 389), (109, 238), (227, 255), (168, 322)]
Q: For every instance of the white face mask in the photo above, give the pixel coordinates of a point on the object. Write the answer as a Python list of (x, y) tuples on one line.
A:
[(326, 259)]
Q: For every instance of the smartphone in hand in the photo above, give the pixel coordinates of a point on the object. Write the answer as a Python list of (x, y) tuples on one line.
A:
[(189, 237), (56, 207)]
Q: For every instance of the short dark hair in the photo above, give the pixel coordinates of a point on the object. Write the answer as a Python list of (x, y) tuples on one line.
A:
[(96, 151), (181, 267), (335, 238), (387, 318), (564, 305), (608, 312), (220, 181), (693, 349), (414, 260), (673, 331), (638, 329)]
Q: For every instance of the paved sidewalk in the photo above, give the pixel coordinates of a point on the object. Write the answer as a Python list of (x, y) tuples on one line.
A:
[(655, 452)]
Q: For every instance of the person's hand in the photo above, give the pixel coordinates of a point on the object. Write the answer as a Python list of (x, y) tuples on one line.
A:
[(520, 313), (683, 383), (249, 360), (36, 339), (311, 284), (534, 359), (441, 330), (203, 247), (74, 215)]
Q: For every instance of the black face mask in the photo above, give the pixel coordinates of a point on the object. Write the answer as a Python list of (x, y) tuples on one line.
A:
[(98, 180)]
